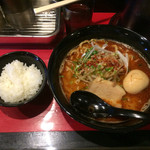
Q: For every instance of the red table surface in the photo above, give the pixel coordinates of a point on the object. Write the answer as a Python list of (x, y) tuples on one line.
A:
[(43, 114)]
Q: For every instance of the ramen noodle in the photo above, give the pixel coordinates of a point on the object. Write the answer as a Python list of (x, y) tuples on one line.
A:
[(106, 66)]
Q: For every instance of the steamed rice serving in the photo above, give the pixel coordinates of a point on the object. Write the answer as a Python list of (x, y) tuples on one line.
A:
[(19, 82)]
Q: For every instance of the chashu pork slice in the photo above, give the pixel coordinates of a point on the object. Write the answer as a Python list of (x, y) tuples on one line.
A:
[(106, 90)]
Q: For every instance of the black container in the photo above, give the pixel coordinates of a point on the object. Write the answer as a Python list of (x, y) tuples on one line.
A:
[(138, 42), (28, 59)]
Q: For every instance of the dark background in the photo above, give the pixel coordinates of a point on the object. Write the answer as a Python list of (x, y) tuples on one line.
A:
[(110, 5)]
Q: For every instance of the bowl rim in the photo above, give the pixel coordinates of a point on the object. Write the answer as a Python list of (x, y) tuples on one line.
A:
[(36, 58), (67, 109)]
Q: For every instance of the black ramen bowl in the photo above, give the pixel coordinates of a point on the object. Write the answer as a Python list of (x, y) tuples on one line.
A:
[(138, 42), (28, 59)]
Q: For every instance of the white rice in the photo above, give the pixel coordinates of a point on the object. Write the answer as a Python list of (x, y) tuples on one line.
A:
[(19, 82)]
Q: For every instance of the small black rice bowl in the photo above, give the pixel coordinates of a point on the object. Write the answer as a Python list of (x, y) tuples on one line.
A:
[(138, 42), (28, 59)]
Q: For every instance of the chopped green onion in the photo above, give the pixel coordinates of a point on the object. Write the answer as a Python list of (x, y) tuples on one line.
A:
[(74, 76), (94, 52), (61, 76), (99, 67), (92, 67), (115, 71), (87, 55), (109, 68), (86, 87), (72, 67), (74, 62), (124, 98), (77, 67)]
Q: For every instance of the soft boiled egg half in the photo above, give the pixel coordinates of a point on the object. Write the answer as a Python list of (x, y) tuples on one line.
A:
[(135, 81)]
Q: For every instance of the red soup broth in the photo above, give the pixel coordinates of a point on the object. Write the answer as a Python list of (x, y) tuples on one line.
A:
[(70, 82)]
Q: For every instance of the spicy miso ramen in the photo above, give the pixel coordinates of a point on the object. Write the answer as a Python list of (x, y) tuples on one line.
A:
[(112, 70)]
